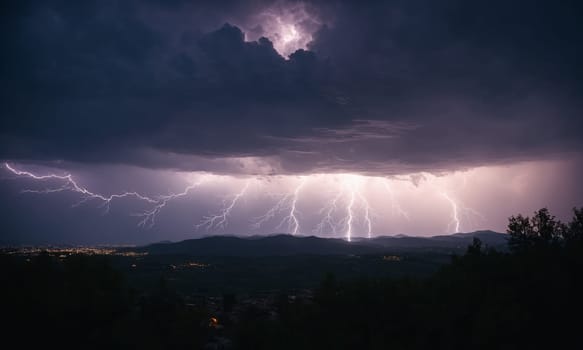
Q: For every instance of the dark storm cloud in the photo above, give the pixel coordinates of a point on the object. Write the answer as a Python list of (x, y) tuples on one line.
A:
[(392, 86)]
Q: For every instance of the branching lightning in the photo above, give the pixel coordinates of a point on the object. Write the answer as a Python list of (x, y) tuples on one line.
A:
[(350, 216), (455, 220), (149, 216), (396, 209), (287, 203), (457, 211), (71, 185), (351, 194), (346, 211), (327, 213), (352, 185), (366, 215), (221, 220)]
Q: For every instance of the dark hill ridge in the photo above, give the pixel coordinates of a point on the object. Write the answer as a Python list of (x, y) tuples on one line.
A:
[(282, 245), (258, 246), (458, 240)]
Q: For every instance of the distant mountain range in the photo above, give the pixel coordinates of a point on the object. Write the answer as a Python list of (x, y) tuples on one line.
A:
[(283, 244)]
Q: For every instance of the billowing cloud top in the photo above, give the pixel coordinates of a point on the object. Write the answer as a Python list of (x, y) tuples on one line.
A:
[(380, 87)]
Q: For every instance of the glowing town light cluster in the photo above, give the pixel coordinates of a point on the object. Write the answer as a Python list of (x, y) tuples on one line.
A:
[(342, 204)]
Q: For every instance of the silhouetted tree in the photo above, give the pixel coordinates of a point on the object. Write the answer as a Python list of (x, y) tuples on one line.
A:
[(542, 229), (476, 247), (574, 230)]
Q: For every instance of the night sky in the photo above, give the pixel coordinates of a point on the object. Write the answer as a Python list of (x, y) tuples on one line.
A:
[(139, 121)]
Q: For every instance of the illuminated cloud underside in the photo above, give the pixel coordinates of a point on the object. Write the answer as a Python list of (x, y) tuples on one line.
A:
[(289, 28)]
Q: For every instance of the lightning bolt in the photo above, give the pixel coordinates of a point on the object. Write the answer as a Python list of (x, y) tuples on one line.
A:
[(221, 220), (287, 203), (71, 185), (350, 216), (350, 193), (396, 208), (149, 216), (327, 213), (457, 211), (455, 220), (353, 187), (292, 214), (366, 217), (346, 211)]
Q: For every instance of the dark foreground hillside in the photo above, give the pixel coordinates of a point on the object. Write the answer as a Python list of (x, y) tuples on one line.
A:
[(525, 297)]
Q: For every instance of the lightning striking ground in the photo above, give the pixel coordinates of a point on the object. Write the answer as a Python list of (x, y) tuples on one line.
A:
[(366, 215), (455, 220), (458, 210), (292, 218), (347, 210), (287, 203), (350, 216), (350, 194), (353, 187), (327, 212)]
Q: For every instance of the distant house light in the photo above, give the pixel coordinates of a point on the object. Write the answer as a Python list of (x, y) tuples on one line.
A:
[(392, 258)]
